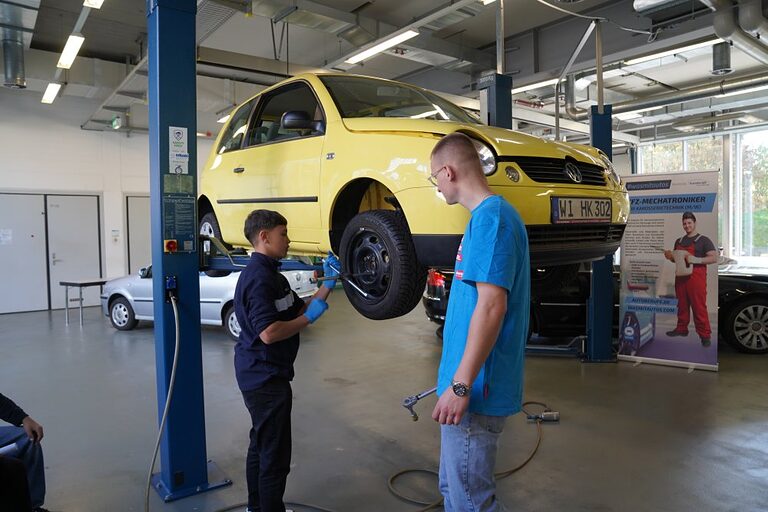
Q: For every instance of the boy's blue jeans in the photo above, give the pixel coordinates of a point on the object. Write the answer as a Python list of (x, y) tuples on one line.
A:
[(31, 454), (467, 462)]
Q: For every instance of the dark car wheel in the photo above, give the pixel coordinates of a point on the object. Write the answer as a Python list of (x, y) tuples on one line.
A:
[(746, 326), (231, 324), (121, 315), (209, 226), (378, 244)]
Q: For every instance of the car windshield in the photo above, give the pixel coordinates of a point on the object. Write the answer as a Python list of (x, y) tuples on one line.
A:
[(369, 97)]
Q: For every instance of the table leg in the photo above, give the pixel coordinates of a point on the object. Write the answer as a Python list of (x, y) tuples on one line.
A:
[(66, 303), (80, 289)]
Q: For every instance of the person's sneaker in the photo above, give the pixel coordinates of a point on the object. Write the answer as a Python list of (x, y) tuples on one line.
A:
[(705, 342), (675, 332)]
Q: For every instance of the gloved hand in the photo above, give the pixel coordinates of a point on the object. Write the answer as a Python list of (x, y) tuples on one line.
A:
[(329, 264), (315, 310), (693, 259)]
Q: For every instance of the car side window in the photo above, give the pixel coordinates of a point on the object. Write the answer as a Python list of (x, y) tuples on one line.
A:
[(235, 131), (290, 98)]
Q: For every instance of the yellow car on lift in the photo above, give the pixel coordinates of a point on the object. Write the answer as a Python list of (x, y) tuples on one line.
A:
[(346, 160)]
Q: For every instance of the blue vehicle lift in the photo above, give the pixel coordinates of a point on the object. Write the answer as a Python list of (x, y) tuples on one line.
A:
[(597, 345), (185, 468)]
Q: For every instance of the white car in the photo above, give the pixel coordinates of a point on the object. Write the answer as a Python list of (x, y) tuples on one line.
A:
[(126, 300)]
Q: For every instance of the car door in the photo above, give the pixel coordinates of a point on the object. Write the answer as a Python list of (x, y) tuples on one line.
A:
[(226, 168), (282, 166)]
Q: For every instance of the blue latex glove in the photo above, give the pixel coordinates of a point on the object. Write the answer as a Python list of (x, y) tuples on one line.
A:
[(329, 264), (315, 310)]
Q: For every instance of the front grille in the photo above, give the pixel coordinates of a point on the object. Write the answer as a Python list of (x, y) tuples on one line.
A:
[(550, 170), (576, 235)]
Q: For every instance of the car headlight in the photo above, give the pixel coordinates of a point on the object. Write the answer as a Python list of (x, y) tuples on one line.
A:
[(610, 168), (487, 158)]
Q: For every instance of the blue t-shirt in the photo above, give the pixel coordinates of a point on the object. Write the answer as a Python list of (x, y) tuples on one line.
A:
[(494, 250)]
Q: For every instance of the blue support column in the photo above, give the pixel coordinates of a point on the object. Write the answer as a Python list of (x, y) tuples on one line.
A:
[(173, 187), (600, 305), (499, 99)]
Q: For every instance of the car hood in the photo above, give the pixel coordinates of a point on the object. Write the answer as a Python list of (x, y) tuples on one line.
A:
[(121, 283), (504, 142)]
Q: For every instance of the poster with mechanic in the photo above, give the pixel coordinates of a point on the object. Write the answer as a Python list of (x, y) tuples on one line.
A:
[(669, 256)]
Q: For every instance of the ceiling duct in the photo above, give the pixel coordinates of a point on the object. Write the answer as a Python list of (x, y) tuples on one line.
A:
[(17, 22), (727, 29), (663, 13), (751, 18), (721, 59)]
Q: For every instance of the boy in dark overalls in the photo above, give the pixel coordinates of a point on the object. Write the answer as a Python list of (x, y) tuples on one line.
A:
[(270, 315)]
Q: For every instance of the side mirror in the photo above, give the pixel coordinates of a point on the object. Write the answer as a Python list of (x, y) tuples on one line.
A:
[(145, 272), (296, 120)]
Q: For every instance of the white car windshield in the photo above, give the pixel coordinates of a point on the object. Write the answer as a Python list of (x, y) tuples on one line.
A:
[(369, 97)]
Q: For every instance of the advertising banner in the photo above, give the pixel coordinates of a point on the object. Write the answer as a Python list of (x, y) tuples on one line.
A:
[(669, 255)]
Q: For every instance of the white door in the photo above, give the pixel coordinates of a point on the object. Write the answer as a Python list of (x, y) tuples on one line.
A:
[(74, 246), (22, 253), (139, 237)]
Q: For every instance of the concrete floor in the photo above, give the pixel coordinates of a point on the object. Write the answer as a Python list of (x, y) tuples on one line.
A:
[(644, 438)]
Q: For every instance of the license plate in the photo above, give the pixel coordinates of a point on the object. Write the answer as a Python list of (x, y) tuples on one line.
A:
[(567, 210)]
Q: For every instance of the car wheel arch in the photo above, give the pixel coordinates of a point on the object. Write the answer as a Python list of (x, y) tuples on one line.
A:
[(347, 204), (204, 206)]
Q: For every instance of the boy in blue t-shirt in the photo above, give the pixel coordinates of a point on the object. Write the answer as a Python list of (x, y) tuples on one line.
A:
[(480, 378)]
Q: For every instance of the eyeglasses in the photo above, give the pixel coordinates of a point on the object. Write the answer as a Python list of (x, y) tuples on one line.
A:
[(433, 177)]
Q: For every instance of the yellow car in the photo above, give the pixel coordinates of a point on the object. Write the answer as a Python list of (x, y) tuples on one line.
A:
[(346, 160)]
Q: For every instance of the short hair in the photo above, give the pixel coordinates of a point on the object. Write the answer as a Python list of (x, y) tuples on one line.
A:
[(258, 220), (460, 144), (689, 215)]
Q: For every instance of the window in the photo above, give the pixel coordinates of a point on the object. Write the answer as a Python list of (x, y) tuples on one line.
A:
[(369, 97), (292, 97), (233, 136), (662, 157), (751, 197)]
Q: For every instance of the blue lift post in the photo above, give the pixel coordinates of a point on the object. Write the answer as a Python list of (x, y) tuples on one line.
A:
[(600, 305), (499, 99), (173, 188)]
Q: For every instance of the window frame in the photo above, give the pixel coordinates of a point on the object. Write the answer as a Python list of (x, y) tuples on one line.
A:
[(264, 98)]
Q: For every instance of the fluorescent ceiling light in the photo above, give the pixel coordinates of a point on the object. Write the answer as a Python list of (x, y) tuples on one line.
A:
[(674, 51), (486, 2), (534, 86), (223, 119), (743, 91), (384, 45), (74, 42), (93, 4), (50, 92), (626, 116)]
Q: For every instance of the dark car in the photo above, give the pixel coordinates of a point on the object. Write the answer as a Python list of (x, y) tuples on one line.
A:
[(562, 311)]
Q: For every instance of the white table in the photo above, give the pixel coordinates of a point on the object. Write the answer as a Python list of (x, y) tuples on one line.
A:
[(79, 284)]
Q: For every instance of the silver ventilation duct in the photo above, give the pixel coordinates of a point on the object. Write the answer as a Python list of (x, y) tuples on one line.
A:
[(721, 59), (17, 22), (13, 60)]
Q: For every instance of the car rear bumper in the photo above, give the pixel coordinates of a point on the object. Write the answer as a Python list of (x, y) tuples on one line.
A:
[(105, 305)]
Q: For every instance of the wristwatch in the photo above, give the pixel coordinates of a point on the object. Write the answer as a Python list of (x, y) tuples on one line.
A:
[(460, 389)]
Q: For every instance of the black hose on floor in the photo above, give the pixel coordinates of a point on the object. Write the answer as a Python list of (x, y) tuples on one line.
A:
[(497, 476)]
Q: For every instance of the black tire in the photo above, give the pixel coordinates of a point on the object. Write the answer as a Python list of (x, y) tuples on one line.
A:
[(231, 324), (121, 314), (552, 279), (209, 225), (746, 326), (379, 242)]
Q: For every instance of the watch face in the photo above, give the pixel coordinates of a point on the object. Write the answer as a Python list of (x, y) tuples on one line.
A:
[(460, 389)]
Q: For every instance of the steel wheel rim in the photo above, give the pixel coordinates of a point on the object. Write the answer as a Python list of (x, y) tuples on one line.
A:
[(750, 327), (233, 325), (206, 228), (369, 255), (120, 314)]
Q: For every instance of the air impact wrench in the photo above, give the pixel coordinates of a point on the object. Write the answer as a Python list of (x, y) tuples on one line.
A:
[(410, 401)]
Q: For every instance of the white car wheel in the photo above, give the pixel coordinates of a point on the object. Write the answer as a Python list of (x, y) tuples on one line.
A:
[(231, 324), (121, 315)]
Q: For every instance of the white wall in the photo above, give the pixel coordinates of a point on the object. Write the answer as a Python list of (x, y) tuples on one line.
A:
[(44, 150)]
